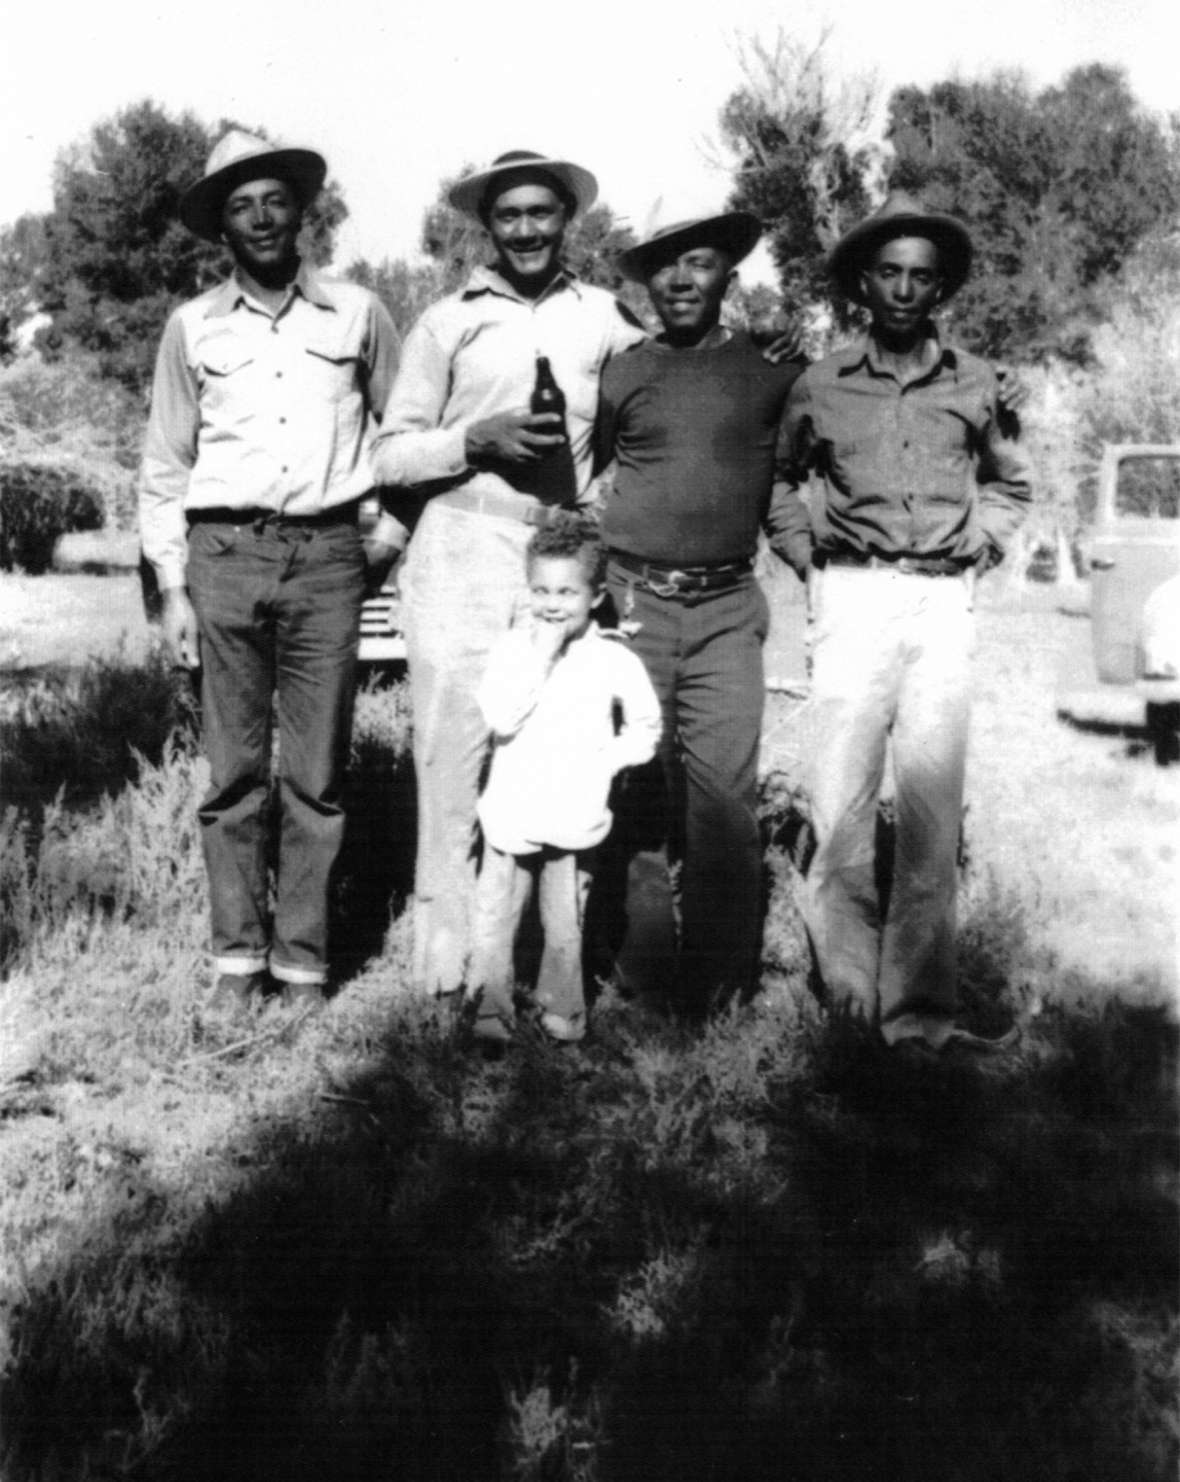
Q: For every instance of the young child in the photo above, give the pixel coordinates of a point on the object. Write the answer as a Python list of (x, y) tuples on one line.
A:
[(554, 691)]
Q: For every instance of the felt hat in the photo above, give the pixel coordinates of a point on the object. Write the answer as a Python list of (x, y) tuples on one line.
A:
[(901, 216), (236, 158), (734, 232), (470, 193)]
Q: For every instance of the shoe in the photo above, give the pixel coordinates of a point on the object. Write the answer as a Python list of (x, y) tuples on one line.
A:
[(303, 996), (491, 1029), (566, 1031), (979, 1044), (914, 1051), (238, 990)]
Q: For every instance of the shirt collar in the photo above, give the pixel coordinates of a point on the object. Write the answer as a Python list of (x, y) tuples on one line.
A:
[(866, 355), (306, 283), (485, 279)]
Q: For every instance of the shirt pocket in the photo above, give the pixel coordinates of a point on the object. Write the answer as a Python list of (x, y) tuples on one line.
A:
[(224, 371), (330, 367)]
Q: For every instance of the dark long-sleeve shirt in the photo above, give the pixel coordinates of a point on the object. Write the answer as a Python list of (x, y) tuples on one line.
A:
[(916, 469), (694, 434)]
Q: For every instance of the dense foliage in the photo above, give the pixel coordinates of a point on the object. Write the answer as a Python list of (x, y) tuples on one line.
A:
[(40, 501), (116, 259), (1059, 187)]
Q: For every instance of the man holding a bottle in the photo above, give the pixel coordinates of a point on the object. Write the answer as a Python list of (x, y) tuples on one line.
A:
[(460, 426)]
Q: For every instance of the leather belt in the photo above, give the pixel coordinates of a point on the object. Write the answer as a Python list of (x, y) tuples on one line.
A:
[(907, 565), (674, 581), (339, 514), (504, 505)]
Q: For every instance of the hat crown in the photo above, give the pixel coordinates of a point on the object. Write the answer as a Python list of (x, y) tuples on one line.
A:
[(234, 147), (517, 157), (897, 203)]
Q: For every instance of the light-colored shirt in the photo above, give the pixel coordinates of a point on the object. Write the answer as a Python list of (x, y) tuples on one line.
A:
[(259, 410), (921, 467), (555, 749), (473, 355)]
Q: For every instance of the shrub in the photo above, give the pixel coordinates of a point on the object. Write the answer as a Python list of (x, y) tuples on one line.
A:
[(38, 503), (64, 411), (85, 735)]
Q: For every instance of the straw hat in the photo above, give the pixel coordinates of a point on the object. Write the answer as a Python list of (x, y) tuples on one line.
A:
[(236, 158), (470, 193)]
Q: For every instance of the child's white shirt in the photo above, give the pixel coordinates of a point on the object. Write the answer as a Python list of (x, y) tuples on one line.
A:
[(555, 750)]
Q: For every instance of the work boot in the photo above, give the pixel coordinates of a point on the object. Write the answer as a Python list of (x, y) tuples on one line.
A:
[(239, 991)]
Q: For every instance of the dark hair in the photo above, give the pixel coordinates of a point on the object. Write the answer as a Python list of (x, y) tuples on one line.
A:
[(525, 175), (570, 537)]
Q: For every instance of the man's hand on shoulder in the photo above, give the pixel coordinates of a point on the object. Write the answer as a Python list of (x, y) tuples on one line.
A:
[(179, 624), (512, 437), (778, 337), (1013, 392)]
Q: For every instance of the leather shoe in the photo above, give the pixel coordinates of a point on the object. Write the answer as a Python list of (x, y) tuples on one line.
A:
[(302, 996), (238, 990)]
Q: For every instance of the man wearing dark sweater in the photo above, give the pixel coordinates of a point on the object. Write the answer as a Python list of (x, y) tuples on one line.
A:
[(691, 420)]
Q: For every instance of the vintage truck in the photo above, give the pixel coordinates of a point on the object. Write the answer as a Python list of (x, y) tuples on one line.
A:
[(1134, 559)]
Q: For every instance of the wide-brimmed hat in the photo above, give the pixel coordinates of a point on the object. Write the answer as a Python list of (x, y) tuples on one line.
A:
[(901, 216), (470, 193), (236, 158), (734, 232)]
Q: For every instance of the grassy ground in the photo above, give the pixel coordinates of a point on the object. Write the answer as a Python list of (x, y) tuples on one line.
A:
[(342, 1247)]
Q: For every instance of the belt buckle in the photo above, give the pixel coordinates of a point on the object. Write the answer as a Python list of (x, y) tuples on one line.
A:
[(671, 584)]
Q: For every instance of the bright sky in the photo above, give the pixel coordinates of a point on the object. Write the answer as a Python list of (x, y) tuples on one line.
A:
[(399, 95)]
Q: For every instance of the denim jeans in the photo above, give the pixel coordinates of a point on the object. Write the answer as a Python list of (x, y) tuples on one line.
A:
[(463, 579), (506, 881), (890, 669), (278, 609), (703, 654)]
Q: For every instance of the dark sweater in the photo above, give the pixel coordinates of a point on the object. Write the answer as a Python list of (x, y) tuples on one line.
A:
[(694, 433)]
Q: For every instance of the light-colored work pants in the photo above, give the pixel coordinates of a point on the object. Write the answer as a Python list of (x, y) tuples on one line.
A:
[(463, 578), (505, 886), (890, 664)]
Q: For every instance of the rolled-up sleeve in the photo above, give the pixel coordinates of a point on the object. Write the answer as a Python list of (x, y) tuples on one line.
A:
[(412, 448), (170, 451)]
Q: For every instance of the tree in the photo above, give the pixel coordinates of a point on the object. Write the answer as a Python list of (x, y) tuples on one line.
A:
[(806, 156), (1057, 188), (117, 258), (22, 252)]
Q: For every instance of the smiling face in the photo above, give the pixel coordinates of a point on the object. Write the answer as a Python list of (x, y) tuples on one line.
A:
[(260, 222), (687, 291), (902, 285), (561, 592), (527, 225)]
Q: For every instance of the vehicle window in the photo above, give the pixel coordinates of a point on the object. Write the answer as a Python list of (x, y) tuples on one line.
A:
[(1149, 488)]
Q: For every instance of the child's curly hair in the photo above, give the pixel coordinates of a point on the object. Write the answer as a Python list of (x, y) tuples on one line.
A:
[(571, 535)]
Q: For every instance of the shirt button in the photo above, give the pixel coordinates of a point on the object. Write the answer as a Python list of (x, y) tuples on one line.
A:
[(286, 469), (282, 421), (278, 375)]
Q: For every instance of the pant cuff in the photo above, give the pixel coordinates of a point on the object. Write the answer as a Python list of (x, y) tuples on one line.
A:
[(284, 974), (240, 964)]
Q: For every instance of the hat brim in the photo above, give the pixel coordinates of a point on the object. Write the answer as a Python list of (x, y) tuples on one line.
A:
[(200, 207), (849, 256), (735, 233), (468, 195)]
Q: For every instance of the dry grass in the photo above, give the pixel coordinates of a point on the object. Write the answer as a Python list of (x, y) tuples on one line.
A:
[(342, 1247)]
